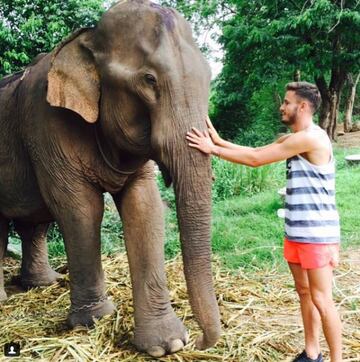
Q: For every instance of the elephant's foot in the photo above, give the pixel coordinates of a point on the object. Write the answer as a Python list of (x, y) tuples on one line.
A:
[(44, 278), (84, 315), (161, 336)]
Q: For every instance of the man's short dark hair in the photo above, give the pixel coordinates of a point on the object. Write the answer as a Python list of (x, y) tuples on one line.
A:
[(307, 91)]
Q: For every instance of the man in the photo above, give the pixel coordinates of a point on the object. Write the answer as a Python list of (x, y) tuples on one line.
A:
[(312, 233)]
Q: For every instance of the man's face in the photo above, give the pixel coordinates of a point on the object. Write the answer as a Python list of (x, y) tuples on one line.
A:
[(289, 108)]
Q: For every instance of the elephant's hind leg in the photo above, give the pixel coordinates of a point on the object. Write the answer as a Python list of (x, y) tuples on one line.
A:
[(4, 228), (35, 268), (157, 329)]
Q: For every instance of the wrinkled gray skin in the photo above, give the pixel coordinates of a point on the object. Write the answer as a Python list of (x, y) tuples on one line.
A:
[(88, 118)]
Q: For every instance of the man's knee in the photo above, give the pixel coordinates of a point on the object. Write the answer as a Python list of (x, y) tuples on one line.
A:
[(302, 290), (322, 302)]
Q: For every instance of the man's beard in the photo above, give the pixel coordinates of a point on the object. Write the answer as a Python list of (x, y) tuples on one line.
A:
[(291, 119)]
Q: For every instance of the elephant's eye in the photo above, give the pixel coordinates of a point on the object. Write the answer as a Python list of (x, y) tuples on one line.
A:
[(150, 79)]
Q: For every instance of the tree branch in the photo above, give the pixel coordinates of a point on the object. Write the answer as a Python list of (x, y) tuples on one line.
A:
[(225, 6), (338, 22)]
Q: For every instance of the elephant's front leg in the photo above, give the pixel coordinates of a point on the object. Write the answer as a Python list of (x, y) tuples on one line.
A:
[(35, 268), (157, 329), (79, 221)]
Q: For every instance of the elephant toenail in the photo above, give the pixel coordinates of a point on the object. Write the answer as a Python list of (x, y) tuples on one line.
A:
[(176, 345), (156, 351)]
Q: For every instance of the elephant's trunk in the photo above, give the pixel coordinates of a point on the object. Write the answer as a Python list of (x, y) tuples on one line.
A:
[(191, 174)]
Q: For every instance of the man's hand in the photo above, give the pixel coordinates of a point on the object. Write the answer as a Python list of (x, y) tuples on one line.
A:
[(213, 133), (201, 141)]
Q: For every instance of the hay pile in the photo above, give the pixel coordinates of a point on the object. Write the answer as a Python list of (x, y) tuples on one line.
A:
[(260, 316)]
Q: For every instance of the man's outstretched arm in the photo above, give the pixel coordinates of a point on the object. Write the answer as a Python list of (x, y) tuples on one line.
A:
[(289, 146)]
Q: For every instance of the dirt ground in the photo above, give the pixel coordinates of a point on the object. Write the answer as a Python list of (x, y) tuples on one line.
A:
[(351, 139)]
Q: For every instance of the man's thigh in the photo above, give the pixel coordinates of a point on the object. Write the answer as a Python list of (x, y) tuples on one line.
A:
[(320, 281), (300, 277)]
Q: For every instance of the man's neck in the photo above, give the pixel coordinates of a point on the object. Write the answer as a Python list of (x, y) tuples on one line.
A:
[(302, 124)]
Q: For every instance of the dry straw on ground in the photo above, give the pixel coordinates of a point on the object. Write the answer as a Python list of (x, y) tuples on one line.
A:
[(259, 309)]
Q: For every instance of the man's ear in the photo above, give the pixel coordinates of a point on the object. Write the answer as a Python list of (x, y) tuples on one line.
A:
[(304, 106)]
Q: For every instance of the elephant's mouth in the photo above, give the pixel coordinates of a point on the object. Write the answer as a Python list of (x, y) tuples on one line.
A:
[(165, 174)]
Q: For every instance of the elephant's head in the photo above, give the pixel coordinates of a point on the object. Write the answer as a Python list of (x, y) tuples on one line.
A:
[(141, 77)]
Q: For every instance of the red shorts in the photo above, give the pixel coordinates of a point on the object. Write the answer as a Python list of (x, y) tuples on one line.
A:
[(310, 255)]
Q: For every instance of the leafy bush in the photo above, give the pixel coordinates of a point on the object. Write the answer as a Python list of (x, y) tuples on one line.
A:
[(233, 179), (30, 27), (264, 122)]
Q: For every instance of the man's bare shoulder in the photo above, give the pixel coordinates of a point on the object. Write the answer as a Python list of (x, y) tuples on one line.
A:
[(318, 137), (319, 150), (304, 142), (301, 137)]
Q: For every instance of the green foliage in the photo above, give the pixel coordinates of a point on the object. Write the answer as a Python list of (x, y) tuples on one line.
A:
[(247, 231), (172, 243), (172, 239), (199, 12), (230, 181), (264, 42), (167, 193), (234, 180), (267, 41), (56, 245), (30, 27), (112, 235), (264, 124), (244, 215)]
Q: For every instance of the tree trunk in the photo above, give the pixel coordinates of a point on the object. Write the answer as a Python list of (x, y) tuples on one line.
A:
[(334, 114), (330, 96), (324, 116), (349, 104)]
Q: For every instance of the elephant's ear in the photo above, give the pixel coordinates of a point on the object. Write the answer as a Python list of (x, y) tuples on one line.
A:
[(73, 81)]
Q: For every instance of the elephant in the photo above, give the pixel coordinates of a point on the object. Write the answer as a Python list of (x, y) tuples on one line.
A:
[(93, 116)]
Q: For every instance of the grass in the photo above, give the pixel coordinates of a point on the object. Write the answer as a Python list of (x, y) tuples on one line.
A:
[(246, 231), (348, 199), (233, 180), (244, 223)]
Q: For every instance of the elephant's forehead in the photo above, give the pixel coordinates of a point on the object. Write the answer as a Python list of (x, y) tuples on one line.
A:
[(169, 57), (139, 16), (167, 15), (147, 33)]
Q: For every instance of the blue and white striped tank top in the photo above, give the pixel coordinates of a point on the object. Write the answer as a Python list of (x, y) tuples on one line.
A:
[(310, 211)]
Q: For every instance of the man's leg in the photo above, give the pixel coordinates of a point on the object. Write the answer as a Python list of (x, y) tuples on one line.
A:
[(320, 282), (310, 314)]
